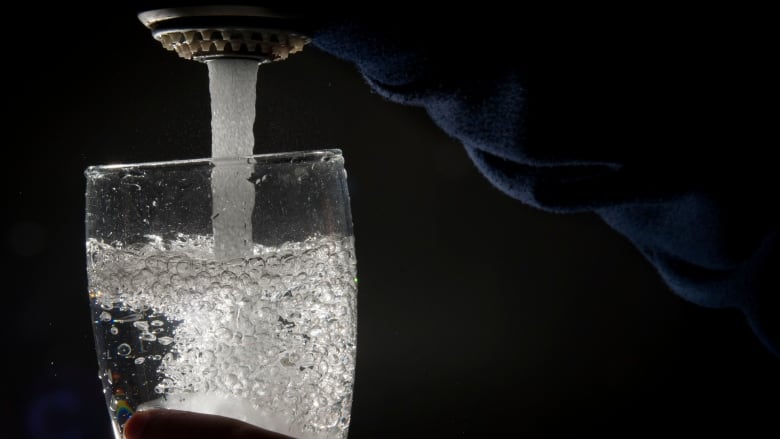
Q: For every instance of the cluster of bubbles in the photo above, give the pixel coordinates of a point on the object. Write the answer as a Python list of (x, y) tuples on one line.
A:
[(275, 331)]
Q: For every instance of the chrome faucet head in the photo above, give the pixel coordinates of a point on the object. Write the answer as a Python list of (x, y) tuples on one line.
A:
[(201, 33)]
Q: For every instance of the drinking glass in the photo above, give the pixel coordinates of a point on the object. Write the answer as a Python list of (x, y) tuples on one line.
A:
[(225, 286)]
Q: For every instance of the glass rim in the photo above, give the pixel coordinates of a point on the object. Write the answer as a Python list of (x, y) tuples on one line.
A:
[(270, 158)]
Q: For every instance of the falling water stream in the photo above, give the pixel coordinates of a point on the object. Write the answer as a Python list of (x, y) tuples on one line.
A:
[(232, 86)]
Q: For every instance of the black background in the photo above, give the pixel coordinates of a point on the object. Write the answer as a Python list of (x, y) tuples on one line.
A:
[(477, 314)]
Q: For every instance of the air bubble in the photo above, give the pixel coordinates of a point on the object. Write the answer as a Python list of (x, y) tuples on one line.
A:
[(165, 340), (123, 350), (245, 338)]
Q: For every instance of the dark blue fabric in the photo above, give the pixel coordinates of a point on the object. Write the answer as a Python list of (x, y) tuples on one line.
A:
[(652, 125)]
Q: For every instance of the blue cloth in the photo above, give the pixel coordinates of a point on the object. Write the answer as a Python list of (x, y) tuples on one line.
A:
[(652, 125)]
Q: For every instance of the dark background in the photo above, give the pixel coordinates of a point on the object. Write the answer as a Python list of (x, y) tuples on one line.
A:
[(477, 314)]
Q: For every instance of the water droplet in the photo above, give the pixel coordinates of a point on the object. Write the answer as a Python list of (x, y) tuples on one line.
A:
[(165, 341), (139, 360), (157, 323), (143, 326), (148, 336), (114, 330), (105, 316), (123, 350)]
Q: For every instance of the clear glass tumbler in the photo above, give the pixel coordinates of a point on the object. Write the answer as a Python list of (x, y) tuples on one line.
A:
[(226, 287)]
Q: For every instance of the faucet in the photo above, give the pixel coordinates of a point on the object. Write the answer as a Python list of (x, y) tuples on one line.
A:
[(201, 33)]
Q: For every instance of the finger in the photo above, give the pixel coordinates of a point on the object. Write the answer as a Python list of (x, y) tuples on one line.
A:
[(166, 424)]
